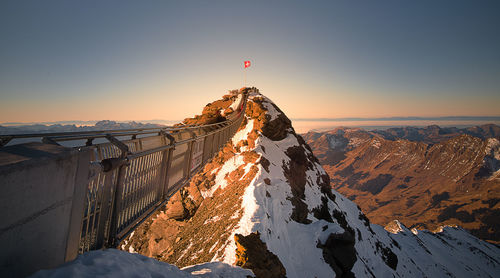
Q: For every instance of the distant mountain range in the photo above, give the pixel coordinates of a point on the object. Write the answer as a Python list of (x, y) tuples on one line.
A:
[(446, 118), (424, 177), (435, 134), (100, 125), (54, 128)]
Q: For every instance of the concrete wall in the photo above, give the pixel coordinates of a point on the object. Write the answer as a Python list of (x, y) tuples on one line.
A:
[(41, 204)]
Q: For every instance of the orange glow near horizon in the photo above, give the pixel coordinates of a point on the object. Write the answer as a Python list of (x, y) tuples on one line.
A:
[(167, 60), (296, 103)]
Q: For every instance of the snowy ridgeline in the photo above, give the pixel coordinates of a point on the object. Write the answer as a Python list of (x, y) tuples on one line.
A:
[(116, 263), (267, 209)]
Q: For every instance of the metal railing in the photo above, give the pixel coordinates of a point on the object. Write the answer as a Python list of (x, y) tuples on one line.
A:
[(138, 176), (130, 179)]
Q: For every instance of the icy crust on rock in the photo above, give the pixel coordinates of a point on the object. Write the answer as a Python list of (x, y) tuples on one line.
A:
[(115, 263)]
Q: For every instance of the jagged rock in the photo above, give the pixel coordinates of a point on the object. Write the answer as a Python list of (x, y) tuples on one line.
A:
[(175, 207), (227, 111), (295, 173), (340, 254), (253, 254), (394, 227), (278, 128), (213, 112)]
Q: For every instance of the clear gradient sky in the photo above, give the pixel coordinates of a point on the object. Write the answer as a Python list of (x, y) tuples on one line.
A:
[(141, 60)]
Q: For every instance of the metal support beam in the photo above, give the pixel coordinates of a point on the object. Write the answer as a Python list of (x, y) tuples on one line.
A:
[(119, 144), (4, 140), (48, 140)]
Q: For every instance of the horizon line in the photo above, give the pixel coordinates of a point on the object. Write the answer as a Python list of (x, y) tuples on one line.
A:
[(340, 119), (86, 121), (399, 118)]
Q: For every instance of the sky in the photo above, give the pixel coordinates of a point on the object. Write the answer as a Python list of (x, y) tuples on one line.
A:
[(144, 60)]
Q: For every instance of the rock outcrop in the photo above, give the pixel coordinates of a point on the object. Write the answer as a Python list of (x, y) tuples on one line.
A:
[(214, 112), (253, 254)]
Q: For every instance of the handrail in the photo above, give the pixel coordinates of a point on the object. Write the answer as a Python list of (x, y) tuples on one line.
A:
[(82, 135), (94, 134)]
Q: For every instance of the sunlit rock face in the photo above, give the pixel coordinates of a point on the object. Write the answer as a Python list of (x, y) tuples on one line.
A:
[(424, 177)]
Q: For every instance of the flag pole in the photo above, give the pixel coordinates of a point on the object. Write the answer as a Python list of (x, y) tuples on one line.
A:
[(246, 64)]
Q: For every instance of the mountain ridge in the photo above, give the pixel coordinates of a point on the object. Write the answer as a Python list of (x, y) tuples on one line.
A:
[(265, 203), (453, 180)]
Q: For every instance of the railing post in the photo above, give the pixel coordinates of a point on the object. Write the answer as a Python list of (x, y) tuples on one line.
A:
[(105, 212), (168, 163), (203, 159), (163, 173), (117, 206), (117, 199)]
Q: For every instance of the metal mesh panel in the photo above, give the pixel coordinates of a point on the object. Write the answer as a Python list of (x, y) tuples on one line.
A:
[(152, 142), (141, 188), (108, 151), (117, 200), (91, 214), (207, 151), (93, 209), (177, 165), (197, 154)]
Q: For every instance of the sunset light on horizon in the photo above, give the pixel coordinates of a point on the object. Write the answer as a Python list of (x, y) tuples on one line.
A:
[(164, 60)]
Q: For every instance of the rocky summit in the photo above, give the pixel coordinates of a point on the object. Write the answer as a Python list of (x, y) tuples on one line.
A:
[(265, 203)]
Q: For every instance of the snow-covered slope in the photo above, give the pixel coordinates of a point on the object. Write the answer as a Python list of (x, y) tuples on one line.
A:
[(264, 203), (115, 263)]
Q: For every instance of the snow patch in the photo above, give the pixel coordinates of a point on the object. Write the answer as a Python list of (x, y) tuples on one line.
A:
[(271, 110), (235, 105), (213, 219), (243, 134), (220, 179), (376, 144), (116, 263)]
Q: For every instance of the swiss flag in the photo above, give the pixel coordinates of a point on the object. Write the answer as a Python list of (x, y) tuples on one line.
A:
[(247, 64)]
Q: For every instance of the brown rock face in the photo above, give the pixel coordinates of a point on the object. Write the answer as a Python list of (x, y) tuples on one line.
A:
[(448, 182), (340, 254), (212, 112), (278, 128), (155, 238), (296, 177), (183, 203), (253, 254), (175, 207)]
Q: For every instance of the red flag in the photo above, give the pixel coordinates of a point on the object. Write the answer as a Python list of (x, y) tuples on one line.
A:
[(247, 64)]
